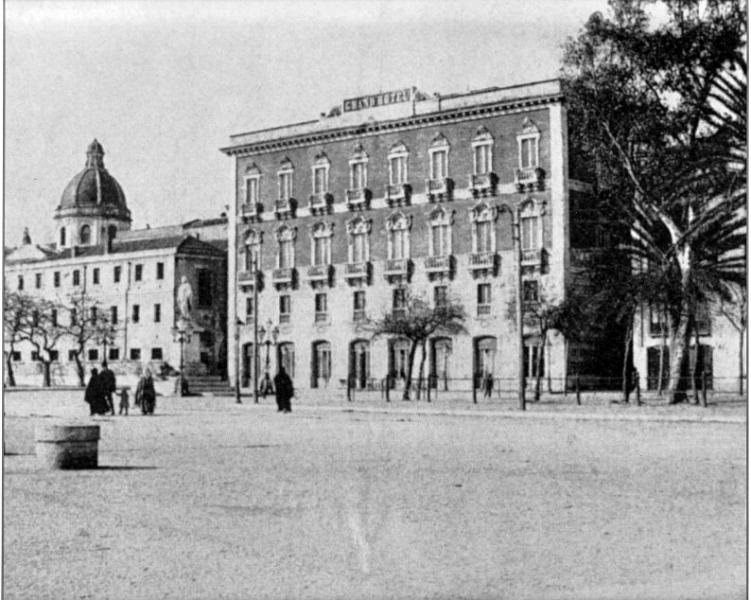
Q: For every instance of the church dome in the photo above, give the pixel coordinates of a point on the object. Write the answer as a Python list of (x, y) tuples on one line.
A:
[(94, 189)]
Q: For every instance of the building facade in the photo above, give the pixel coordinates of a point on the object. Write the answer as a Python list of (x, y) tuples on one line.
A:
[(130, 276), (393, 192)]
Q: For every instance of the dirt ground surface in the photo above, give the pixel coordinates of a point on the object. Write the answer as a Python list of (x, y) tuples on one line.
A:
[(213, 500)]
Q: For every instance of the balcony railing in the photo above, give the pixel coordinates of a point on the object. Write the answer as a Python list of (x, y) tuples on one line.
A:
[(356, 270), (439, 188), (398, 193), (285, 207), (358, 198), (246, 276), (482, 260), (321, 316), (397, 266), (284, 317), (531, 257), (250, 209), (483, 310), (319, 272), (358, 314), (399, 312), (320, 202), (438, 264), (283, 275), (483, 184), (529, 178)]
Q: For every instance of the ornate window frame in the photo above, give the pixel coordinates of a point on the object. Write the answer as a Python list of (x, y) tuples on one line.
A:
[(482, 212), (359, 157), (252, 244), (321, 230), (286, 168), (398, 221), (529, 131), (439, 144), (252, 173), (482, 138), (398, 150), (441, 217), (358, 226), (532, 208), (285, 233), (321, 162)]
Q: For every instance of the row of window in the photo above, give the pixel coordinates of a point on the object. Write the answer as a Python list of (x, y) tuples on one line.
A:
[(398, 164), (399, 300), (398, 226), (92, 354), (84, 234), (76, 278)]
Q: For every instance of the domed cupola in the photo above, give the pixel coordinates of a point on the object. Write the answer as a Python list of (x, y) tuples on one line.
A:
[(92, 208)]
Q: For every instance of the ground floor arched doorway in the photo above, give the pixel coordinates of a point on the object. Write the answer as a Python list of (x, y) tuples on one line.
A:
[(359, 363), (440, 360), (320, 368), (485, 348)]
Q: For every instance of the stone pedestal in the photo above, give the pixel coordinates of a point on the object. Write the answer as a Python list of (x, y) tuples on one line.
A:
[(67, 446)]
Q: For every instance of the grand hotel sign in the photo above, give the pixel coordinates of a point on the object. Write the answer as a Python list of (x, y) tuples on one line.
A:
[(382, 99)]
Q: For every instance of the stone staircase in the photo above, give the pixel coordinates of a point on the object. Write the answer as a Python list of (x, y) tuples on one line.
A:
[(209, 385)]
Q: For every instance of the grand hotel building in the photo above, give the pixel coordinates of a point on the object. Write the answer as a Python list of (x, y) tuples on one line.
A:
[(398, 191)]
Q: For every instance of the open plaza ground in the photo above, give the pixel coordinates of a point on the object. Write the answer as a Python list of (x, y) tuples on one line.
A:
[(209, 499)]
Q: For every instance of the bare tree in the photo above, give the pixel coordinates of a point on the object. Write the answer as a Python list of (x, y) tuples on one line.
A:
[(39, 326), (416, 321), (18, 307)]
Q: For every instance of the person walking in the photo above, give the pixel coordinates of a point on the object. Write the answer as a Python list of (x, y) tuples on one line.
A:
[(109, 386), (145, 393), (488, 385), (284, 390), (124, 403), (94, 395)]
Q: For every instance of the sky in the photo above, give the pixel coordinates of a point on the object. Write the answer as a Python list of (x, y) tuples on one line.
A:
[(162, 84)]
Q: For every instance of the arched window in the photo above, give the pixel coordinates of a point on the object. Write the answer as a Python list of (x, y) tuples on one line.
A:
[(439, 157), (286, 174), (482, 217), (320, 240), (529, 145), (482, 152), (358, 247), (398, 226), (440, 232), (531, 230), (398, 155), (321, 174), (62, 236), (358, 169), (84, 236), (252, 186), (286, 237)]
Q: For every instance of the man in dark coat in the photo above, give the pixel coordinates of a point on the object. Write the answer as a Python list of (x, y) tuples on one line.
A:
[(284, 390), (109, 385)]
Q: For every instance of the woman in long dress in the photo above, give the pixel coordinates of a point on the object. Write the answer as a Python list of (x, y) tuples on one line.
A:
[(145, 393), (94, 395)]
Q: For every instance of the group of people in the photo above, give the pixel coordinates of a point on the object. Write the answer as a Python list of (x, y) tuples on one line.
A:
[(102, 387)]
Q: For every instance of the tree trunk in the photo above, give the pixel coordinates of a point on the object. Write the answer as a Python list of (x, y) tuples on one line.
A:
[(660, 382), (80, 371), (9, 369), (410, 364), (740, 363), (626, 369), (678, 347), (422, 370), (46, 371), (538, 379), (695, 366)]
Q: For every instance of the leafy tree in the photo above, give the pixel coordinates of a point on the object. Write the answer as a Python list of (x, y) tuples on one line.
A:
[(87, 322), (417, 321), (659, 113), (18, 307), (39, 326)]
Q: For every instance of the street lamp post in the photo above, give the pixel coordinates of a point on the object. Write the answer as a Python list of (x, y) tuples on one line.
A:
[(181, 334)]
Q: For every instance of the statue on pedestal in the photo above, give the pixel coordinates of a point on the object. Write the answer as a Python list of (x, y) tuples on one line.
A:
[(184, 299)]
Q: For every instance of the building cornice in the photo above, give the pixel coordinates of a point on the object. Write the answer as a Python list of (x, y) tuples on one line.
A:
[(375, 127)]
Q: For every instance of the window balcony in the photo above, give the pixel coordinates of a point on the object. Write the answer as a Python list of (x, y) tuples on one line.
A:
[(320, 203), (321, 317), (398, 194), (358, 315), (358, 199), (482, 260), (439, 189), (285, 208), (483, 310), (529, 179), (359, 270), (285, 275), (531, 257), (399, 312), (397, 267), (246, 277), (320, 273), (483, 184), (250, 210), (438, 264), (284, 318)]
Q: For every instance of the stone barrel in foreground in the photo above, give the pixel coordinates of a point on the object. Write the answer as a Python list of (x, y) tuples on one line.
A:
[(67, 446)]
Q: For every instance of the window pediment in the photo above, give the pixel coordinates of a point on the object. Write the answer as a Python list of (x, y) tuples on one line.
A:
[(321, 160), (252, 170), (322, 230), (483, 212), (359, 154), (482, 136), (253, 236), (439, 216), (529, 128), (439, 142), (286, 233), (398, 149), (286, 166), (398, 221), (359, 225)]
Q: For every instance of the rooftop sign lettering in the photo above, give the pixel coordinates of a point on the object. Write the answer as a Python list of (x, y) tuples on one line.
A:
[(382, 99)]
